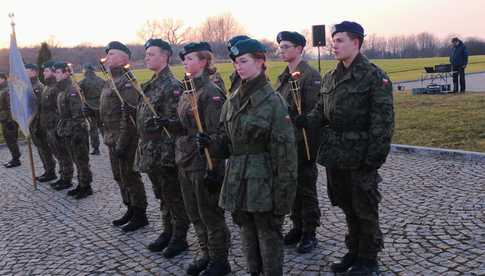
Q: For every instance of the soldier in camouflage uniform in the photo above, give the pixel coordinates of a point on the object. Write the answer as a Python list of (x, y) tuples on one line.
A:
[(356, 108), (120, 135), (216, 78), (72, 129), (156, 150), (38, 134), (91, 87), (48, 119), (234, 77), (305, 214), (10, 128), (260, 182), (200, 186)]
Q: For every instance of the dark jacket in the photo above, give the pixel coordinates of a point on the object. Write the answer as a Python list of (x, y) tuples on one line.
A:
[(459, 55)]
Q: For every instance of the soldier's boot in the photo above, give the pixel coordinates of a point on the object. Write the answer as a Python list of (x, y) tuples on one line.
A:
[(62, 185), (343, 265), (198, 265), (217, 268), (293, 236), (307, 243), (12, 163), (47, 177), (74, 191), (177, 245), (125, 218), (84, 192), (138, 220), (363, 267), (95, 151), (161, 242)]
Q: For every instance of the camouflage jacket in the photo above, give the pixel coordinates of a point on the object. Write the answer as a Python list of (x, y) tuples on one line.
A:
[(48, 115), (35, 126), (210, 99), (91, 87), (119, 128), (235, 82), (156, 150), (5, 115), (261, 171), (356, 106), (309, 83), (216, 78), (71, 120)]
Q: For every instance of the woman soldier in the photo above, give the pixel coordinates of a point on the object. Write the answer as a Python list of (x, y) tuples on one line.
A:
[(260, 182), (201, 186)]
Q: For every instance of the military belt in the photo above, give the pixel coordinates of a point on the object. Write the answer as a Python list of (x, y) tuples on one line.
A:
[(248, 149)]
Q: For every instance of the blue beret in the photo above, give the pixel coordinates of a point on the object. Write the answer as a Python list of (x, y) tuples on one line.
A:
[(60, 65), (235, 40), (118, 46), (158, 43), (292, 37), (194, 47), (347, 26), (246, 46), (31, 66), (48, 64)]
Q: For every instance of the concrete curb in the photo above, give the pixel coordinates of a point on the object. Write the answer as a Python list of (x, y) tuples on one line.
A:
[(439, 152)]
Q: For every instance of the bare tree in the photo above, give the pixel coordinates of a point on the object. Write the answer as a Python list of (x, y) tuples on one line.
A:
[(150, 29), (220, 28), (173, 31)]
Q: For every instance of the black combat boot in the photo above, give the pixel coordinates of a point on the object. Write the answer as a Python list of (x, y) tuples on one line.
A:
[(198, 265), (293, 236), (125, 218), (64, 184), (84, 192), (175, 247), (12, 163), (347, 261), (138, 220), (160, 243), (74, 191), (95, 151), (307, 243), (363, 267), (217, 268), (46, 177)]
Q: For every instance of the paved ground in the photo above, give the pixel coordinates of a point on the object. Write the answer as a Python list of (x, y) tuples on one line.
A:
[(474, 82), (433, 218)]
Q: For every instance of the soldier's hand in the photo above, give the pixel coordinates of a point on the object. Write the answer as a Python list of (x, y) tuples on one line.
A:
[(301, 121), (127, 108), (156, 123), (202, 140), (213, 181)]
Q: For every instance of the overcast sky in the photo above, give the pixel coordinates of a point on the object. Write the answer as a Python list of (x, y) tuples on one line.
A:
[(100, 21)]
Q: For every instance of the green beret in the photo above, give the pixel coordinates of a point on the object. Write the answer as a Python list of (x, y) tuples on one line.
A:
[(3, 75), (118, 46), (347, 26), (158, 43), (246, 46), (194, 47), (292, 37), (48, 64), (235, 40), (60, 65), (31, 66)]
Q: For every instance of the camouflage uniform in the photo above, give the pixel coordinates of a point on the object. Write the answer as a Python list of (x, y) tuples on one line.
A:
[(305, 213), (201, 206), (10, 128), (72, 129), (48, 119), (235, 82), (119, 134), (356, 108), (91, 87), (216, 78), (156, 151), (260, 182), (39, 134)]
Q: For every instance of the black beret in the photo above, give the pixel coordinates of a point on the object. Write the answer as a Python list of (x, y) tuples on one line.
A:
[(3, 75), (118, 46), (194, 47), (60, 65), (292, 37), (235, 40), (246, 46), (347, 26), (31, 66), (158, 43), (48, 64)]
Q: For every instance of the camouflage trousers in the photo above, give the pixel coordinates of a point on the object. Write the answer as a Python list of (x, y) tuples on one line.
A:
[(10, 130), (61, 153), (39, 139), (305, 213), (206, 216), (94, 129), (78, 149), (262, 241), (131, 187), (167, 188), (356, 193)]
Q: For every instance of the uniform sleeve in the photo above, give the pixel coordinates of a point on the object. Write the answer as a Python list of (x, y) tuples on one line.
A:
[(283, 159), (310, 91), (212, 109), (316, 116), (381, 121), (128, 125), (75, 105)]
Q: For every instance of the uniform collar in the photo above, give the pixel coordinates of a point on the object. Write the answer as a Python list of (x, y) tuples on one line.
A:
[(257, 89), (356, 70), (201, 80), (63, 84)]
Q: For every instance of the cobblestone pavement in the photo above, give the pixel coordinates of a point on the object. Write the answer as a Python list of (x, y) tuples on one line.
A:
[(432, 215)]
